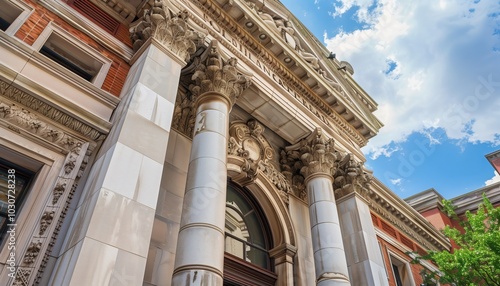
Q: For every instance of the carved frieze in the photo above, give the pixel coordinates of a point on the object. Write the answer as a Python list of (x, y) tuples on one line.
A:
[(45, 221), (26, 119), (169, 29), (32, 252)]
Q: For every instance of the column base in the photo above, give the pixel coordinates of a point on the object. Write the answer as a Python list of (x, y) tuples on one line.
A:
[(196, 278), (333, 283), (333, 279)]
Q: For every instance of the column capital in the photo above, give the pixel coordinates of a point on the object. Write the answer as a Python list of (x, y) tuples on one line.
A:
[(212, 74), (312, 155), (170, 30), (351, 176)]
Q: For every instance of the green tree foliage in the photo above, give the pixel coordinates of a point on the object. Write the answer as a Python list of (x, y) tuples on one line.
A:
[(477, 260)]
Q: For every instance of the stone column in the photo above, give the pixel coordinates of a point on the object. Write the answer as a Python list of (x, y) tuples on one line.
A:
[(364, 259), (317, 159), (200, 249), (107, 242)]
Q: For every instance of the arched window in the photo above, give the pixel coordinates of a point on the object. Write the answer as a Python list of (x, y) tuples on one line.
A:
[(247, 241)]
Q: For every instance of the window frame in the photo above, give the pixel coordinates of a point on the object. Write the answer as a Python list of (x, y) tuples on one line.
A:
[(70, 39), (404, 269), (238, 271), (26, 11)]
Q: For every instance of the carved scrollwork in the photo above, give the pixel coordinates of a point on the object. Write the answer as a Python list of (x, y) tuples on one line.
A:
[(27, 120), (247, 141)]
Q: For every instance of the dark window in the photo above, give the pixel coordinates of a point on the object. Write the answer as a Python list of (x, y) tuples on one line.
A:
[(60, 59), (246, 234), (68, 55), (8, 13), (397, 276), (14, 185)]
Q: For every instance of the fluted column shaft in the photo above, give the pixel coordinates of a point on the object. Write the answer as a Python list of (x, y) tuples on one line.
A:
[(329, 255)]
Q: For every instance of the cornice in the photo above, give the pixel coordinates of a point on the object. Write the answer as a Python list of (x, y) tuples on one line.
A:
[(274, 64), (396, 211), (470, 201), (426, 200)]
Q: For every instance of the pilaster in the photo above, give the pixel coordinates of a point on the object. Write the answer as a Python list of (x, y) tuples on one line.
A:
[(364, 259), (283, 256), (108, 239)]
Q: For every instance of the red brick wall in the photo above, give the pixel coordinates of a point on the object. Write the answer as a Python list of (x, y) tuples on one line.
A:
[(41, 17), (404, 240), (414, 268)]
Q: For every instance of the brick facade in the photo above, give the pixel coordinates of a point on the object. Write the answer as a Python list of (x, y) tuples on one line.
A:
[(41, 17)]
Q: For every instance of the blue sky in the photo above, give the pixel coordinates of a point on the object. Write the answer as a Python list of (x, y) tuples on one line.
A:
[(433, 66)]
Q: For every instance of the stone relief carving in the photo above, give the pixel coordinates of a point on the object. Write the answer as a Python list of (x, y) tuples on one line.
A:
[(57, 192), (31, 122), (313, 154), (213, 74), (351, 176), (184, 117), (45, 221), (22, 277), (32, 252), (27, 115), (169, 29), (246, 141)]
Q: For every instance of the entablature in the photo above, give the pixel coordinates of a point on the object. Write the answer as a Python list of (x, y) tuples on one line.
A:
[(227, 22), (324, 80), (401, 215)]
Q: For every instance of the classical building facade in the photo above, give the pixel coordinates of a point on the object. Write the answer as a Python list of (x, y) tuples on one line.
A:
[(206, 142)]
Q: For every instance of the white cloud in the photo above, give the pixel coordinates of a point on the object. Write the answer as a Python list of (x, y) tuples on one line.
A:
[(396, 182), (447, 56), (496, 178)]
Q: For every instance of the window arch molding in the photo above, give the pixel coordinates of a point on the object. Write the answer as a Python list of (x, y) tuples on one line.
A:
[(276, 212)]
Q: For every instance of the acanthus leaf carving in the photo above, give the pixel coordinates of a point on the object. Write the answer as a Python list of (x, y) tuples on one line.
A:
[(184, 114), (26, 119), (214, 74), (169, 29), (311, 155), (351, 176)]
